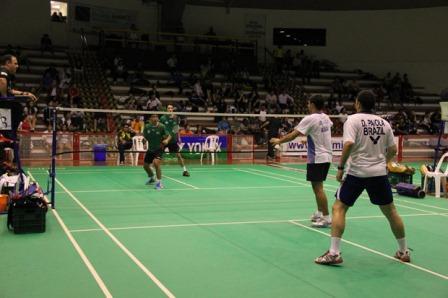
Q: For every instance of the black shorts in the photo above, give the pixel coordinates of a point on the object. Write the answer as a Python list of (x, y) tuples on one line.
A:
[(173, 147), (151, 155), (317, 172), (378, 188)]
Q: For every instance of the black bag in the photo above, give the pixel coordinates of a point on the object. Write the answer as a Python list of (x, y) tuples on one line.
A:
[(27, 210)]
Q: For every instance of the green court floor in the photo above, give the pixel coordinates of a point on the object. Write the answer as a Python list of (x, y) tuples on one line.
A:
[(226, 231)]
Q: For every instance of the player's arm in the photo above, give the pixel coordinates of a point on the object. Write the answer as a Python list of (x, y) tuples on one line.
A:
[(344, 157), (286, 138), (3, 87), (167, 138), (24, 93), (391, 152)]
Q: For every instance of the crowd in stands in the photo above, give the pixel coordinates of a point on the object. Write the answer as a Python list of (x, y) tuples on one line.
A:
[(234, 92)]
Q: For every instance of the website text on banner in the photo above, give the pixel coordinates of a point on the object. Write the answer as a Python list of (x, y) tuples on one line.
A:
[(299, 146)]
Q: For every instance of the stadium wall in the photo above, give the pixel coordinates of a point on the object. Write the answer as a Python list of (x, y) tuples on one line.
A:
[(410, 41)]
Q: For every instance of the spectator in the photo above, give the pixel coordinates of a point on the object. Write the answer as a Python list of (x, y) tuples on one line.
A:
[(124, 141), (185, 130), (46, 44), (223, 126), (172, 64), (153, 103), (285, 100)]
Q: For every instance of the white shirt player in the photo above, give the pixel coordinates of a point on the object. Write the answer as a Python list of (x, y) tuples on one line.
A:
[(371, 136), (317, 128)]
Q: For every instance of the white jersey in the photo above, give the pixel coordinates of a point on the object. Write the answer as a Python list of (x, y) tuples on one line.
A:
[(371, 136), (317, 128)]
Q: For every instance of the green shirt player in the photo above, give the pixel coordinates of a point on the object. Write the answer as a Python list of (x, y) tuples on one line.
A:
[(157, 137), (171, 123)]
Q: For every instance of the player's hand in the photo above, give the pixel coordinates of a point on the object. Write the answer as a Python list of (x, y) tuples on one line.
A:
[(274, 141), (165, 142), (340, 175), (31, 96)]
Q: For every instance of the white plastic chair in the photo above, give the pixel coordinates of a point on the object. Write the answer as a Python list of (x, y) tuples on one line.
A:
[(211, 145), (437, 175), (139, 145)]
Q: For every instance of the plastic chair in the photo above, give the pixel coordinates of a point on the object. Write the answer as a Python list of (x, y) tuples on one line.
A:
[(211, 145), (437, 175), (139, 145)]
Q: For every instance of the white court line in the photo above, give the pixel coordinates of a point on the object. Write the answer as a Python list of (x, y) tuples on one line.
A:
[(334, 187), (182, 189), (398, 199), (235, 223), (181, 182), (79, 250), (119, 244), (268, 175), (373, 251), (132, 171)]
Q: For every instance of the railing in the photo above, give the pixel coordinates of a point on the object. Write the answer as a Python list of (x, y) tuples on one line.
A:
[(126, 38)]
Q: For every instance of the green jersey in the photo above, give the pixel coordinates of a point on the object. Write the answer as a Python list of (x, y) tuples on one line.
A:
[(154, 134), (171, 126)]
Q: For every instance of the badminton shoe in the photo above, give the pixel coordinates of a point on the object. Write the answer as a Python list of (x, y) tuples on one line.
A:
[(316, 216), (158, 186), (186, 174), (329, 259), (321, 223), (403, 256), (150, 181)]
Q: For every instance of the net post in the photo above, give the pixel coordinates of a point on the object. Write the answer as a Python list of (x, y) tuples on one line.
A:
[(53, 158), (229, 148)]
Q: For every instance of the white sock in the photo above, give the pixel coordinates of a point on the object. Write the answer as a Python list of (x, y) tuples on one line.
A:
[(335, 247), (327, 218), (185, 168), (402, 245), (318, 213)]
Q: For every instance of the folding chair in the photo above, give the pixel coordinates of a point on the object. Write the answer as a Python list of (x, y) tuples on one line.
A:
[(139, 145), (210, 145), (438, 176)]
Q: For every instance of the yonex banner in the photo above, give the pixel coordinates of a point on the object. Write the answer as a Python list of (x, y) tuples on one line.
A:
[(195, 143)]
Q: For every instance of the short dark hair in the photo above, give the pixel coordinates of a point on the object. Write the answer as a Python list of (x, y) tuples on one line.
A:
[(318, 101), (367, 99), (6, 58)]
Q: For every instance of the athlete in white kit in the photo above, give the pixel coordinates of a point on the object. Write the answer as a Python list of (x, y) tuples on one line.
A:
[(369, 142), (317, 128)]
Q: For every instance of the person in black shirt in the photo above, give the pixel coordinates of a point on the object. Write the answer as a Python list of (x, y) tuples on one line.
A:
[(8, 69), (273, 125)]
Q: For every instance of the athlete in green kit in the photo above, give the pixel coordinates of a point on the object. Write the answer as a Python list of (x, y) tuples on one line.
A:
[(157, 137), (172, 126)]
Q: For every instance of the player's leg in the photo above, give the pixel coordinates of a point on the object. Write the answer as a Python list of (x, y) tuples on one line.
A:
[(316, 174), (173, 147), (322, 205), (380, 193), (149, 157), (346, 196), (158, 167), (181, 162)]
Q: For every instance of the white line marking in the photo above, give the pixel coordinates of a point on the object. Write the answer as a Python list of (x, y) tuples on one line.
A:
[(373, 251), (118, 243), (235, 223), (397, 199), (332, 186), (420, 204), (183, 189), (269, 175), (181, 182), (79, 250)]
